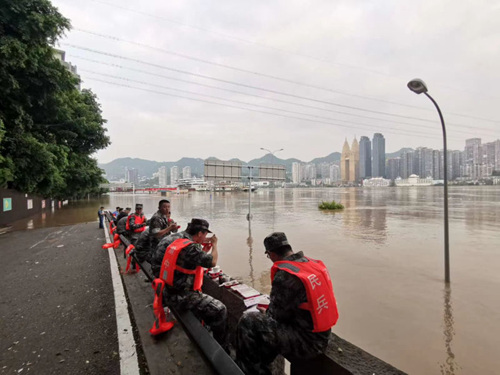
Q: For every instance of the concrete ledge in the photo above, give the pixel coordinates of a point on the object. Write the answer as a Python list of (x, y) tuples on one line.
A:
[(171, 353)]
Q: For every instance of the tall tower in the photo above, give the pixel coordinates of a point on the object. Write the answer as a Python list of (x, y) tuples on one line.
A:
[(365, 157), (354, 162), (378, 161), (344, 162)]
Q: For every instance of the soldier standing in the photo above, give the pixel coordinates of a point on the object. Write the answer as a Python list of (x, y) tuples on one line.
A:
[(300, 315), (181, 254)]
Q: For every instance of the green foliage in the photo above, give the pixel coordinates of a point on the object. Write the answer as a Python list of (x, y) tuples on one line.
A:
[(48, 128), (330, 206)]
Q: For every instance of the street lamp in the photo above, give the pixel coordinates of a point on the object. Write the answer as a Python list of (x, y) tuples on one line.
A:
[(272, 154), (419, 87)]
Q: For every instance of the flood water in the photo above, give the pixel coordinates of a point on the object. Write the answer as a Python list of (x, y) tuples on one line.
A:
[(385, 256)]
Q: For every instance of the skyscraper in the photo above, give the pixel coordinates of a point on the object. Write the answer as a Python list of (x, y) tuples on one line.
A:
[(296, 173), (344, 162), (162, 176), (393, 168), (174, 175), (133, 175), (378, 155), (354, 162), (186, 172), (365, 157)]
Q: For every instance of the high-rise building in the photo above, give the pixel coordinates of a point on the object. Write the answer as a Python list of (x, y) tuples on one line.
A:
[(162, 176), (437, 165), (174, 175), (132, 175), (335, 173), (186, 172), (354, 162), (296, 173), (378, 155), (393, 168), (365, 157), (344, 162), (61, 56), (407, 164), (472, 151)]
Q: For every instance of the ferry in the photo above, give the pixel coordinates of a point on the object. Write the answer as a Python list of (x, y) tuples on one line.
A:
[(376, 182), (414, 180)]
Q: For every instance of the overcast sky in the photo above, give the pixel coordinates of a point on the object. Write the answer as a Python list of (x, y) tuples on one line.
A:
[(326, 70)]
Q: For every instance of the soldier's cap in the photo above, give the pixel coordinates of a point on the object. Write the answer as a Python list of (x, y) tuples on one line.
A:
[(200, 223), (276, 241), (138, 205), (128, 209)]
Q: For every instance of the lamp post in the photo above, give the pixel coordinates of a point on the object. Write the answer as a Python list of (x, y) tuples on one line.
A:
[(272, 154), (419, 87)]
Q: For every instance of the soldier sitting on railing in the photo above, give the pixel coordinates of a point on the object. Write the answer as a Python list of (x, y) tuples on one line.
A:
[(183, 288), (301, 312)]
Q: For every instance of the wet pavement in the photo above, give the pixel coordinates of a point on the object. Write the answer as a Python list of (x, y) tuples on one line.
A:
[(57, 312)]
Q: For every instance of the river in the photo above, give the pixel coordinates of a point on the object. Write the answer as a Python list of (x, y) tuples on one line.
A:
[(385, 255)]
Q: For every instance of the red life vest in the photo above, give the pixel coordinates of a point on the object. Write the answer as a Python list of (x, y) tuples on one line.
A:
[(169, 264), (139, 219), (321, 301)]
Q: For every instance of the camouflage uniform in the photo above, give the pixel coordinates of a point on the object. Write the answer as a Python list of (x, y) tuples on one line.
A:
[(142, 247), (204, 307), (284, 329), (121, 226), (158, 223), (134, 236)]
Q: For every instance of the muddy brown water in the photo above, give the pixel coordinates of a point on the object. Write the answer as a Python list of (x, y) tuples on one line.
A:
[(385, 255)]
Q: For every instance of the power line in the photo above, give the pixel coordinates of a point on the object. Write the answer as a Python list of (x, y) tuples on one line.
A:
[(252, 87), (424, 135), (281, 50), (248, 71), (257, 105), (273, 76)]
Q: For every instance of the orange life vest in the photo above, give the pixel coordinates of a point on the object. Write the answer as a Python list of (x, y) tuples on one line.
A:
[(139, 219), (169, 264), (321, 301)]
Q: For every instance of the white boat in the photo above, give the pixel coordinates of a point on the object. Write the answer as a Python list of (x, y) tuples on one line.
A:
[(414, 180), (376, 182)]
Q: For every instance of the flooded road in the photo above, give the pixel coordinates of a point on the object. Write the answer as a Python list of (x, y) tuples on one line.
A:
[(385, 256)]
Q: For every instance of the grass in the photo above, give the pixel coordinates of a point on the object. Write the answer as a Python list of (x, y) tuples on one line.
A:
[(330, 206)]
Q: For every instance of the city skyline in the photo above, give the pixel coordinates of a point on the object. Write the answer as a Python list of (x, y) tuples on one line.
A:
[(253, 73)]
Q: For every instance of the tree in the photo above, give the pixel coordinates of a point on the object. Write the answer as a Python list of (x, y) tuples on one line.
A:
[(50, 129)]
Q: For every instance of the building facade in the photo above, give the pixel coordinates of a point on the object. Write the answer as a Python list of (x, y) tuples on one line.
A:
[(174, 175), (162, 176), (378, 155), (365, 157)]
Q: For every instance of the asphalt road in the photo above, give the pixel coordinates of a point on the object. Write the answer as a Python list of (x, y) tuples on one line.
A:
[(57, 313)]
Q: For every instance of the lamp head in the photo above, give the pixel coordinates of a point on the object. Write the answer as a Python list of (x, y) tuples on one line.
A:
[(417, 86)]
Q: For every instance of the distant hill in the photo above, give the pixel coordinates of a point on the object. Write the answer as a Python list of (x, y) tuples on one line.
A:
[(333, 157), (398, 153), (115, 170)]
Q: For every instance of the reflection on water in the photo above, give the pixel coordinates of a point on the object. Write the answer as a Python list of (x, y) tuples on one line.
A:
[(449, 367), (384, 251), (250, 251)]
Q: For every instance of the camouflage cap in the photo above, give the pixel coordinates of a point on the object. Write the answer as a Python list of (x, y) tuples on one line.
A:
[(201, 223), (138, 205), (275, 241)]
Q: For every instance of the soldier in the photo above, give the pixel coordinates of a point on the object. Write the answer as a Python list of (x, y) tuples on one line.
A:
[(142, 246), (121, 222), (184, 290), (161, 224), (300, 315), (136, 223)]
